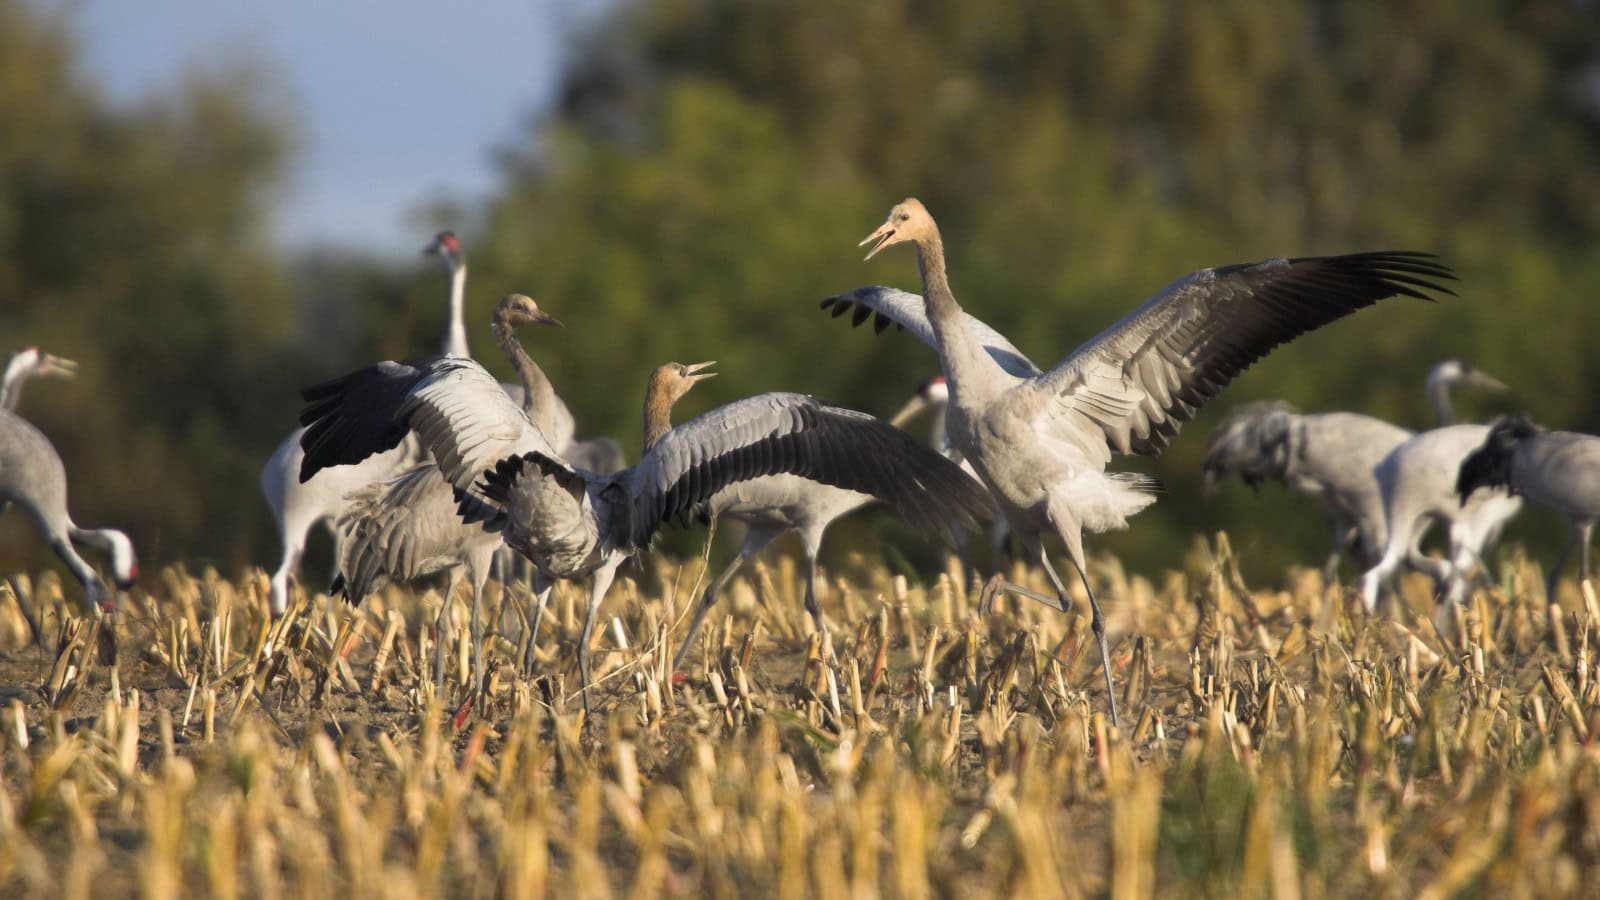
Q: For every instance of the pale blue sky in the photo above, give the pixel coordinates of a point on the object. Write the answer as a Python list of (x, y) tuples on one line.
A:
[(396, 102)]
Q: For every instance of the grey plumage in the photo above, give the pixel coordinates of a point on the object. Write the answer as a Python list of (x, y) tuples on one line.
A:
[(1041, 440), (1557, 469), (1418, 480), (33, 478), (571, 523), (1332, 456), (406, 527)]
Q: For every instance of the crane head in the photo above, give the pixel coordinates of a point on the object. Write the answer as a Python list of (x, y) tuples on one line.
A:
[(517, 310), (446, 246), (908, 221), (677, 378), (32, 362), (124, 561), (1456, 371), (933, 392)]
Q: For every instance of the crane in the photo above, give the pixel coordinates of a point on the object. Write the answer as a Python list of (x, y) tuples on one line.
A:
[(33, 478), (1333, 456), (30, 362), (572, 523), (406, 527), (1041, 440), (1558, 469), (934, 395)]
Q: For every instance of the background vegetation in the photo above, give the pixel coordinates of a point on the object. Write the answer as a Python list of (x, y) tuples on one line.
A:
[(708, 167)]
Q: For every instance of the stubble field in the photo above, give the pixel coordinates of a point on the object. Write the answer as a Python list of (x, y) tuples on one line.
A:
[(1274, 742)]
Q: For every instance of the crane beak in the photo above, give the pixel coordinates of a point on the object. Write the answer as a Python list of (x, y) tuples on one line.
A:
[(697, 373), (58, 366), (1480, 379), (884, 236), (908, 412), (541, 317)]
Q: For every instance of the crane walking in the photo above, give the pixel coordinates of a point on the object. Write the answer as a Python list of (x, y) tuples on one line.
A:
[(1558, 469), (1041, 440), (1333, 456)]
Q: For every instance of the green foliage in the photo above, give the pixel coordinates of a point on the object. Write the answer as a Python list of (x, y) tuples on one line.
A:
[(131, 240), (709, 165)]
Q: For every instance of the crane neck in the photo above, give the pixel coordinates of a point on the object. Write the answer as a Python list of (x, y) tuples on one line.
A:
[(658, 400), (455, 337), (966, 366), (1444, 411), (11, 390), (538, 394)]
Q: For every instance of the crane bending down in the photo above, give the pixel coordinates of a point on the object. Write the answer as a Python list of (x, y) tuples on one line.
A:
[(407, 527), (27, 363), (572, 523), (1041, 440), (1333, 456), (33, 478), (1558, 469)]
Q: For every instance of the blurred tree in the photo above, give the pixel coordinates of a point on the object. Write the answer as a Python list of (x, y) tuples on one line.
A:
[(133, 240), (708, 165), (711, 162)]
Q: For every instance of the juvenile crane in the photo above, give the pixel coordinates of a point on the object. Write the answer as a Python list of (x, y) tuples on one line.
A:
[(1041, 440), (1333, 456), (934, 395), (771, 505), (33, 478), (571, 523), (1558, 469), (407, 527), (27, 363)]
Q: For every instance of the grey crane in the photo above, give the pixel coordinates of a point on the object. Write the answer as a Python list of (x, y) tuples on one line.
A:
[(1558, 469), (33, 478), (1417, 480), (406, 527), (571, 523), (299, 506), (933, 395), (1333, 456), (1041, 440), (27, 363), (771, 505)]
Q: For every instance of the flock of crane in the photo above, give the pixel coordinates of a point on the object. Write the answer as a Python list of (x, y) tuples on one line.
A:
[(430, 465)]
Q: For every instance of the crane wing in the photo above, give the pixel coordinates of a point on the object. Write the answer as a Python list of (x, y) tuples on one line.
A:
[(889, 306), (771, 434), (457, 409), (1141, 379)]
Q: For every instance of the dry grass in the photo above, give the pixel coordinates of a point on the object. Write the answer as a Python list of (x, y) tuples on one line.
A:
[(1278, 743)]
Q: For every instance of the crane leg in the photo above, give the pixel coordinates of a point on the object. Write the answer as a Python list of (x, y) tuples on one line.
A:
[(755, 540), (597, 593), (442, 629), (478, 578), (1097, 622), (1344, 534), (1552, 580), (1584, 531), (542, 586), (708, 600)]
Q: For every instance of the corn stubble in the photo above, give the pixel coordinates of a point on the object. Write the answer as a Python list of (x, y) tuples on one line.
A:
[(939, 741)]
